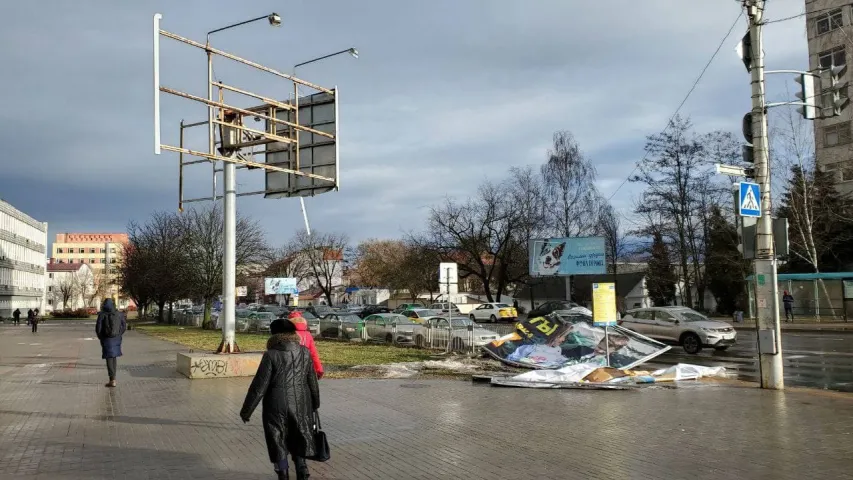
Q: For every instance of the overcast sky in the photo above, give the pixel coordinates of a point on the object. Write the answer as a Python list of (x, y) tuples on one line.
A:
[(445, 94)]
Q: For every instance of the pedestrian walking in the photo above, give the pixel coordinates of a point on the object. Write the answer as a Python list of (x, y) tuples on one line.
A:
[(287, 384), (515, 305), (16, 316), (30, 316), (788, 301), (109, 329), (306, 340)]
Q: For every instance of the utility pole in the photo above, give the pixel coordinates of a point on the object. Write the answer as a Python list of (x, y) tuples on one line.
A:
[(766, 287)]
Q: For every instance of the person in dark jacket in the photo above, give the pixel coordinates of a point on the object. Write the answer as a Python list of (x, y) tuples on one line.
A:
[(110, 346), (16, 316), (788, 302), (287, 383), (32, 320)]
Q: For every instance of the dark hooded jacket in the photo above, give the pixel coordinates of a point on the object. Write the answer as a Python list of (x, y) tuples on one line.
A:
[(287, 383), (110, 346)]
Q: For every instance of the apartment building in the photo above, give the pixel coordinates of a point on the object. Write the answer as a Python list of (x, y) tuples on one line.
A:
[(100, 251), (829, 27), (23, 248)]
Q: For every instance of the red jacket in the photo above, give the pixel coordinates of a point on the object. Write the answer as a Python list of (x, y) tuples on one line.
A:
[(308, 342)]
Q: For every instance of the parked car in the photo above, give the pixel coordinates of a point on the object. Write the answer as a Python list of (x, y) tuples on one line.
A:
[(260, 321), (380, 327), (368, 310), (492, 312), (341, 325), (320, 310), (407, 306), (680, 326), (459, 339), (442, 307), (420, 314), (558, 306)]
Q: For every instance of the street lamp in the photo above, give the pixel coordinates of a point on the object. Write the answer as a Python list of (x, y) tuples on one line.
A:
[(229, 201), (354, 53)]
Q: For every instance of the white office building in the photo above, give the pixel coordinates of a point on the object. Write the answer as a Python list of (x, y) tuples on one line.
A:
[(23, 257)]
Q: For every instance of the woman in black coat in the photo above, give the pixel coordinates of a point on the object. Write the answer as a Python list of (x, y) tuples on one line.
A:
[(287, 383), (110, 346)]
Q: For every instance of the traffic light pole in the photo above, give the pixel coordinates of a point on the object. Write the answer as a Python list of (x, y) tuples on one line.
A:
[(766, 286)]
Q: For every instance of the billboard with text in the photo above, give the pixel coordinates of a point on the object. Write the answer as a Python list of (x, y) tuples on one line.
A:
[(280, 286), (567, 256)]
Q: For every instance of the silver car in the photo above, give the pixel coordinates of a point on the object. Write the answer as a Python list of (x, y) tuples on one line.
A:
[(380, 327), (680, 326), (459, 338)]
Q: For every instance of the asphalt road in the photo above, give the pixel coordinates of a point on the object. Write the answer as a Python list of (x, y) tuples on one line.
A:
[(811, 359)]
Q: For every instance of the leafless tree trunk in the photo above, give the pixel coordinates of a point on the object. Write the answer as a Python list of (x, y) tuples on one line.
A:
[(325, 253), (569, 179)]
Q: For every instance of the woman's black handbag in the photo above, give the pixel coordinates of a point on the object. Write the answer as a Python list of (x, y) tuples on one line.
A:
[(321, 445)]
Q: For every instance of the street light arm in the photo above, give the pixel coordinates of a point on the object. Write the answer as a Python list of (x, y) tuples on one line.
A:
[(349, 50), (265, 17)]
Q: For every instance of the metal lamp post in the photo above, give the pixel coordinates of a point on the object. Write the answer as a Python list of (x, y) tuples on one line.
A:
[(350, 51), (229, 197)]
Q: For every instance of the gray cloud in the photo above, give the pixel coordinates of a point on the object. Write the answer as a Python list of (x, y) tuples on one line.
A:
[(444, 95)]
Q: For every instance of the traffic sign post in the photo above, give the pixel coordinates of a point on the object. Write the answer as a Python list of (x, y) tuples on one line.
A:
[(749, 203)]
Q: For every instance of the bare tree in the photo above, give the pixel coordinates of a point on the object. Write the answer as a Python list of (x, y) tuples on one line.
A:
[(288, 261), (610, 227), (201, 231), (325, 253), (571, 195), (68, 289)]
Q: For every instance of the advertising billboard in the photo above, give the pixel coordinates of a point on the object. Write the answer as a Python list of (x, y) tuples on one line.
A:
[(567, 256), (280, 286)]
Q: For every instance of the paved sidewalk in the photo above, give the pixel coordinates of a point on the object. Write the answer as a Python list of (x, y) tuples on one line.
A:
[(57, 421), (834, 327)]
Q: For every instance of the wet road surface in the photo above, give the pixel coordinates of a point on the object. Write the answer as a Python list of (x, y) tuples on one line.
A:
[(811, 359)]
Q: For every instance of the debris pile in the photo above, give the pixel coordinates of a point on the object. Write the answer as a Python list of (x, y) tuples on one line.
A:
[(592, 375)]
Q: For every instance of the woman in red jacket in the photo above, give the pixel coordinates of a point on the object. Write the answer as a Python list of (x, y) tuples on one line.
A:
[(307, 340)]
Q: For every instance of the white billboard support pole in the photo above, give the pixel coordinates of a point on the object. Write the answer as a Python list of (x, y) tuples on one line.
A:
[(304, 213), (157, 18)]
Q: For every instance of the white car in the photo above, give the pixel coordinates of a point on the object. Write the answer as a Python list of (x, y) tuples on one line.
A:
[(680, 326), (460, 337), (493, 312)]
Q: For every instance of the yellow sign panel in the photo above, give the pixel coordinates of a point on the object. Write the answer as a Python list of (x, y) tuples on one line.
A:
[(604, 304)]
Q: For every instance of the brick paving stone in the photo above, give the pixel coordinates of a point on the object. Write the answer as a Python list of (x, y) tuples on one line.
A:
[(57, 421)]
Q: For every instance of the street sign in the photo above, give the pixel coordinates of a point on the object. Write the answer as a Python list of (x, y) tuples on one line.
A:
[(730, 170), (749, 200), (604, 304)]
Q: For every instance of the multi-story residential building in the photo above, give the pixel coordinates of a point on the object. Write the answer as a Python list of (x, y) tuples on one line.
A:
[(71, 286), (23, 248), (829, 26), (102, 252)]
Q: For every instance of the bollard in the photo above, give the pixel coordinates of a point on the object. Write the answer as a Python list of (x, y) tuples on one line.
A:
[(340, 329), (394, 333), (471, 337)]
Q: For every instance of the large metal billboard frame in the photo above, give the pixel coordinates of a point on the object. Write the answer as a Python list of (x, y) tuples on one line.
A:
[(562, 257)]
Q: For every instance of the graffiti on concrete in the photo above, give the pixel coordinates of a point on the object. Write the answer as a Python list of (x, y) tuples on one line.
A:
[(209, 367)]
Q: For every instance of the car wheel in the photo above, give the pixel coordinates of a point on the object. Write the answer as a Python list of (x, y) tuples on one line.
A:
[(692, 343), (457, 345), (721, 348), (389, 338), (493, 319), (419, 341), (473, 318)]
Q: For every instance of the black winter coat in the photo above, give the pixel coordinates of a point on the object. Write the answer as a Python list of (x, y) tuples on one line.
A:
[(288, 385)]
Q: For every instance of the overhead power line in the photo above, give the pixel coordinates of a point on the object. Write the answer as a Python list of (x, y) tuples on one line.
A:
[(686, 97)]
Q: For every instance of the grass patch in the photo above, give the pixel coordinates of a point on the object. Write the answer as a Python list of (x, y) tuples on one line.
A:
[(332, 353)]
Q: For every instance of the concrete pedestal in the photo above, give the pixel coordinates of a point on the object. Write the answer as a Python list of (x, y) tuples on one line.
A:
[(211, 365)]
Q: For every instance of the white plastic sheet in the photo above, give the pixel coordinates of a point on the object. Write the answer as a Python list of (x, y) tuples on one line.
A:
[(686, 371)]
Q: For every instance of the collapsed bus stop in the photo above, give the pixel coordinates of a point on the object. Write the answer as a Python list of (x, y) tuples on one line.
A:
[(818, 297)]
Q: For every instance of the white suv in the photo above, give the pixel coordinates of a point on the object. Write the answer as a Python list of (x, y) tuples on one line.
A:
[(680, 326)]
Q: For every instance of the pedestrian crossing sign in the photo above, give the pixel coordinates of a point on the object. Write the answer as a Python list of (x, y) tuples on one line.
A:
[(750, 200)]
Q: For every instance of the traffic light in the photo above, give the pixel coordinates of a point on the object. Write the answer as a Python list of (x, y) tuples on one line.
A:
[(807, 96), (836, 87), (749, 157)]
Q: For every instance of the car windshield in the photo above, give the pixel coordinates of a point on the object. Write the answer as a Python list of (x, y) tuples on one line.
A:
[(427, 313), (349, 318), (691, 316), (265, 316), (501, 305), (308, 315)]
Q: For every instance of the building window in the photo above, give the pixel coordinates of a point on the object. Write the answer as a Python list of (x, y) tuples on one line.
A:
[(837, 134), (60, 261), (103, 250), (58, 250), (112, 260), (847, 173), (829, 21), (112, 250), (50, 275), (826, 100), (50, 289), (832, 58), (91, 250)]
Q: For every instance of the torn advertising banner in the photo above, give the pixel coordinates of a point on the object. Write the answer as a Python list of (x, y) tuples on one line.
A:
[(558, 340)]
